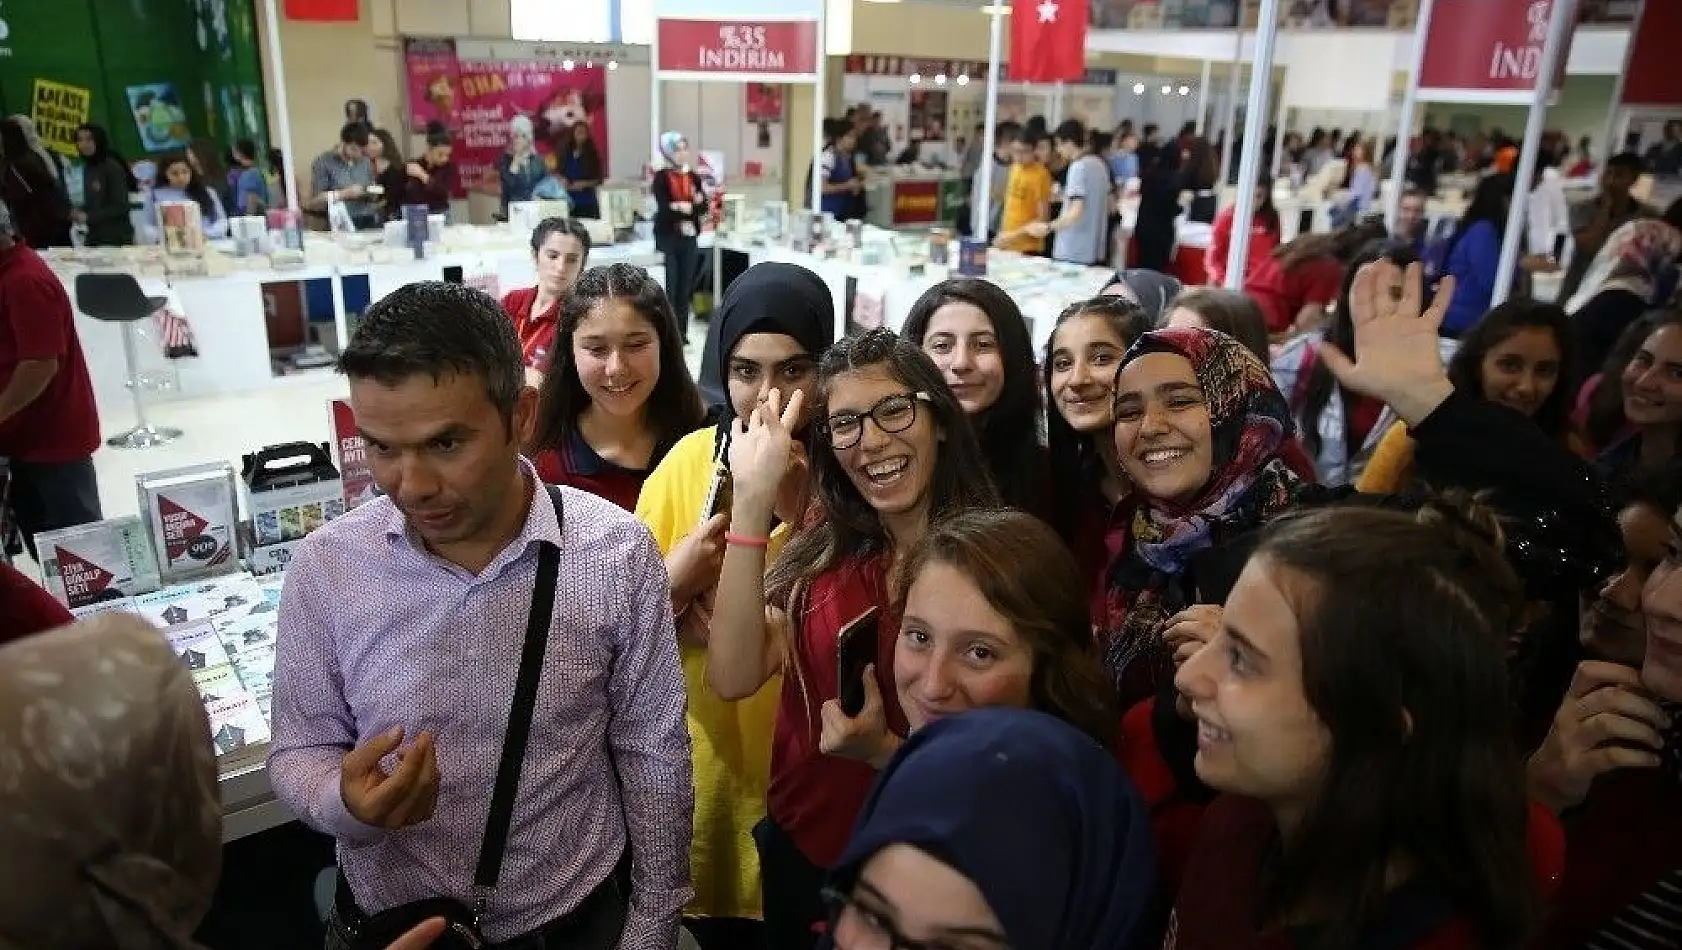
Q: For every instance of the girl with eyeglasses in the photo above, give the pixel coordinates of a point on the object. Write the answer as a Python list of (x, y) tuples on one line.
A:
[(891, 454), (1000, 828)]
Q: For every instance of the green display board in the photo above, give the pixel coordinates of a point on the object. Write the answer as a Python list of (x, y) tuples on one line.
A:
[(156, 73)]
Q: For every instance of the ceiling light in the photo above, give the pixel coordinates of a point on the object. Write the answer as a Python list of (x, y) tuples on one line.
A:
[(613, 64), (1138, 89), (940, 80), (916, 78), (1185, 90), (1167, 89), (963, 80), (567, 65)]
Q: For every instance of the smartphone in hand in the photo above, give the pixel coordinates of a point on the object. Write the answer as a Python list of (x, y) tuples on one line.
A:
[(856, 649)]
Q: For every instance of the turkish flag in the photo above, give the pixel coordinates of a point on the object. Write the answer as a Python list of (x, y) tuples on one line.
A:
[(323, 11), (1048, 40)]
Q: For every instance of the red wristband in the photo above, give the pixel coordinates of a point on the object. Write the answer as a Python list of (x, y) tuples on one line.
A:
[(746, 541)]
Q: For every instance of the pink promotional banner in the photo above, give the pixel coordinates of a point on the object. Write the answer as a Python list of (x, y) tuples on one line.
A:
[(478, 99), (1487, 51)]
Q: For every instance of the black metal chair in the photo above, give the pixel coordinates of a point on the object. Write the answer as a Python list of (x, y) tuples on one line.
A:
[(118, 298)]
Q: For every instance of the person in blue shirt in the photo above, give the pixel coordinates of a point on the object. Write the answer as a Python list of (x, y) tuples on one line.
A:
[(178, 182), (250, 188), (1124, 163), (841, 181), (580, 166), (1473, 253)]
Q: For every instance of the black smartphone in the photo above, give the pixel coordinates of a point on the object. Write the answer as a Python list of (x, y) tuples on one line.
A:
[(855, 648), (718, 494)]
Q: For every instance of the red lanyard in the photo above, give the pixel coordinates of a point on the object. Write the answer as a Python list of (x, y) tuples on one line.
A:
[(683, 188)]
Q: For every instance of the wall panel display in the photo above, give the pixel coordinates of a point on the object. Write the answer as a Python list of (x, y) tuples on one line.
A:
[(194, 49)]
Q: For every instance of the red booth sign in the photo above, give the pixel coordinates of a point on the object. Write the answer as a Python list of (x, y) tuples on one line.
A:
[(739, 47), (916, 202), (1486, 50), (1652, 78)]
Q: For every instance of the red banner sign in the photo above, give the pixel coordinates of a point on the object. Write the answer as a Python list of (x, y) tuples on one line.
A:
[(753, 48), (1652, 79), (916, 202), (1486, 50)]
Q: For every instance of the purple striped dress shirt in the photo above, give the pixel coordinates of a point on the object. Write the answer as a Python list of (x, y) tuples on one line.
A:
[(376, 632)]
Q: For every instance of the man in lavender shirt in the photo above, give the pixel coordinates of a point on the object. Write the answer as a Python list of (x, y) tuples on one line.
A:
[(401, 625)]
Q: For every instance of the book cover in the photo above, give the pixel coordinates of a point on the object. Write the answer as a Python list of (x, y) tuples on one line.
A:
[(198, 646), (237, 726)]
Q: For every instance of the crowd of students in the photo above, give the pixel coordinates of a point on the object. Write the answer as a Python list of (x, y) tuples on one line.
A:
[(1221, 622)]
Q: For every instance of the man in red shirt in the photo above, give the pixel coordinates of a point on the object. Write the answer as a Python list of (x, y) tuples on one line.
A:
[(49, 427), (560, 247)]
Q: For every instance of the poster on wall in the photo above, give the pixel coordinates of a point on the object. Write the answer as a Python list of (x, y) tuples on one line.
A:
[(431, 74), (159, 116), (764, 102), (478, 98), (928, 116), (211, 17), (57, 109)]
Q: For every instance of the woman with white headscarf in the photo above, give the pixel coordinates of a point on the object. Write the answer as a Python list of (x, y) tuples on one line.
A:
[(1633, 272), (113, 820), (32, 184), (680, 203), (520, 167)]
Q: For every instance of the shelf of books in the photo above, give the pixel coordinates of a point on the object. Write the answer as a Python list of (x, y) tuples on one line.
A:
[(204, 563)]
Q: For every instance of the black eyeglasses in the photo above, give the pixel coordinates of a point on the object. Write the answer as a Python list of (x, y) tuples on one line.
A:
[(893, 414), (865, 929)]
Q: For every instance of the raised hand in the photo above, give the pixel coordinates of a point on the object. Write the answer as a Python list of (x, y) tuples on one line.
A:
[(1397, 357), (1606, 722), (761, 450), (394, 799)]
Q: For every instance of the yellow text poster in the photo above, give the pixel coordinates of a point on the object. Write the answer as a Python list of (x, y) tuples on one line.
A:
[(57, 109)]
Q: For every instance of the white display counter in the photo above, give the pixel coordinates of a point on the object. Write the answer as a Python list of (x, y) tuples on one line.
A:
[(227, 312)]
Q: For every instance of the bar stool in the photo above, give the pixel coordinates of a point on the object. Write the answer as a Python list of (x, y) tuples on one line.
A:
[(117, 298)]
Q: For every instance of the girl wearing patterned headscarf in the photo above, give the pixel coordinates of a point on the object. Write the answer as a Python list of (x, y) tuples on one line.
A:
[(1635, 271), (114, 820), (680, 204), (1201, 429)]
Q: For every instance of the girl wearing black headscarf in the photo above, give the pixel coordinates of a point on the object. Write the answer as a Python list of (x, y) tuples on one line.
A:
[(107, 183), (774, 321), (1009, 822)]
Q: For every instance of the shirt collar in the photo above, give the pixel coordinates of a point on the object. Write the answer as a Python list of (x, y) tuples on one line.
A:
[(542, 524)]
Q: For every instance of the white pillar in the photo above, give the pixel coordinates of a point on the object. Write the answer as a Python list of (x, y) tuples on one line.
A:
[(1563, 15), (1202, 100), (1617, 117), (1404, 123), (654, 129), (1229, 155), (981, 202), (282, 116), (1249, 166), (818, 114)]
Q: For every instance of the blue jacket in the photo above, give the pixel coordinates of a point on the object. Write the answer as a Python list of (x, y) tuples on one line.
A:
[(1473, 262)]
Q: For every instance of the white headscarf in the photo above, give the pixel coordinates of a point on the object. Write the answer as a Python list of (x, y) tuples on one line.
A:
[(30, 135)]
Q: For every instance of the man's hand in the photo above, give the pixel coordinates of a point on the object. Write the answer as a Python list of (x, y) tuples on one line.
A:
[(390, 800), (352, 192)]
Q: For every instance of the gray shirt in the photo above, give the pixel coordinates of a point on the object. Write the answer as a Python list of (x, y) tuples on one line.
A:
[(1083, 241), (330, 172)]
